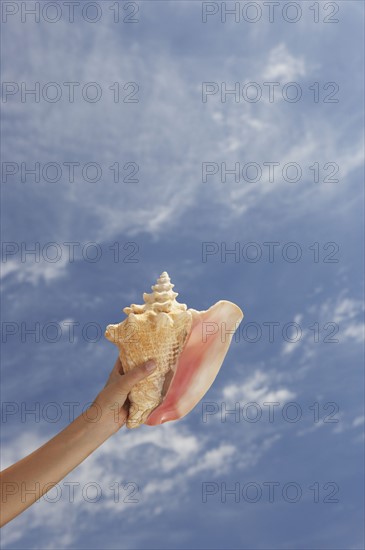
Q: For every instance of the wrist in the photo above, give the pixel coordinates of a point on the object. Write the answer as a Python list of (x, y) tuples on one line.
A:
[(97, 423), (104, 417)]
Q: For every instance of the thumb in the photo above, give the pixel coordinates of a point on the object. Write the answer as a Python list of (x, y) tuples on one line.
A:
[(128, 380)]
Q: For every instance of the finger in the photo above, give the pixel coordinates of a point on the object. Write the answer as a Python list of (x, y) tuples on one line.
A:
[(118, 367), (115, 373), (131, 378)]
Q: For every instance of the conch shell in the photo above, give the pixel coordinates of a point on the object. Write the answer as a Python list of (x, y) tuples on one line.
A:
[(188, 347)]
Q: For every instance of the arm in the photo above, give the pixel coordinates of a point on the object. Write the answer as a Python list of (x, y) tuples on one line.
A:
[(27, 480)]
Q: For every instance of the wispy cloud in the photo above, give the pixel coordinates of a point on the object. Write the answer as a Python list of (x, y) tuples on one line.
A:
[(347, 315), (283, 65), (259, 388), (15, 272), (170, 158)]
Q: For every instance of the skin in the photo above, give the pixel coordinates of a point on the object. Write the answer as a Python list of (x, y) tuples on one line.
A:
[(29, 479)]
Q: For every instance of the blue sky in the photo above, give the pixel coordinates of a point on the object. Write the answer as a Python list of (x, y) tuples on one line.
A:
[(161, 222)]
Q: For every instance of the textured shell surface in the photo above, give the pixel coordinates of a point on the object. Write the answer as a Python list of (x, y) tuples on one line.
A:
[(157, 330)]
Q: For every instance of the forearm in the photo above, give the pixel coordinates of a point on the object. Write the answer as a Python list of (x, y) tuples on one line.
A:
[(30, 478), (26, 481)]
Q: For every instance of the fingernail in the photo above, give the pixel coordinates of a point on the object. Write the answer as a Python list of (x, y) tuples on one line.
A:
[(150, 365)]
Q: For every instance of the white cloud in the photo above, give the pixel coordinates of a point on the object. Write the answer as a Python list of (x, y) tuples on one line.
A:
[(354, 331), (344, 311), (169, 154), (358, 421), (32, 272), (284, 66), (259, 389), (347, 313), (288, 347), (217, 460)]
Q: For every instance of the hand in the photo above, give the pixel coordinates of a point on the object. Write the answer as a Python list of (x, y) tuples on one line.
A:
[(112, 402)]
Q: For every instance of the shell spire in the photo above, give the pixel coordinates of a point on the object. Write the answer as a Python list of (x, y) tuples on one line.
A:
[(161, 299)]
